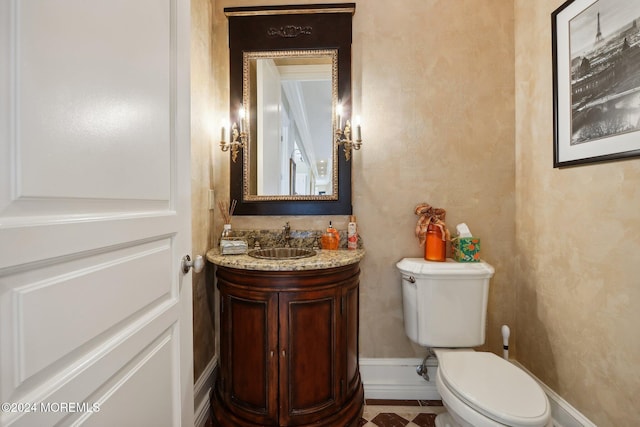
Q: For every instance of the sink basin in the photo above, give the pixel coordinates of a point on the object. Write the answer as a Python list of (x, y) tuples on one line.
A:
[(282, 253)]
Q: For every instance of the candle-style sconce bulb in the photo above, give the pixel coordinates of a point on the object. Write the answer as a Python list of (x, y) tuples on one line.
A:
[(343, 136), (237, 137), (238, 141)]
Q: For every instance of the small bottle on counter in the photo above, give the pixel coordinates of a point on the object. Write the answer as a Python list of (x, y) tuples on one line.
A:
[(226, 231), (352, 233)]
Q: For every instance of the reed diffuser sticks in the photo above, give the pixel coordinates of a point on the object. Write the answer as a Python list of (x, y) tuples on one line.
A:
[(226, 210)]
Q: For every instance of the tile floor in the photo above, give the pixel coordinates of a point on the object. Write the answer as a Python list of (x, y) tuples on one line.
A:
[(400, 413), (397, 413)]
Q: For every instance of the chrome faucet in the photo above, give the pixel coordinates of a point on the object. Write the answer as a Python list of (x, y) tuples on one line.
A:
[(287, 235)]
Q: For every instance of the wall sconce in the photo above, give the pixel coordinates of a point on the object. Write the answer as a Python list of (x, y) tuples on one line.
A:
[(238, 138), (343, 136)]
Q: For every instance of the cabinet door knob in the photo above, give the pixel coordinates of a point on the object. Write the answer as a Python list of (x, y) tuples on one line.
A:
[(284, 354), (271, 353)]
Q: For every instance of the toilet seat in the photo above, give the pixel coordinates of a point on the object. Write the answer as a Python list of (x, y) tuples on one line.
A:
[(492, 387)]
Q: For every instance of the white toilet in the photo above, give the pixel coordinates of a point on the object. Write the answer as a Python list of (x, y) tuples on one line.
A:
[(445, 307)]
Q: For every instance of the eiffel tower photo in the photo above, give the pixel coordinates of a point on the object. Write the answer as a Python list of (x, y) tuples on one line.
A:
[(605, 79), (599, 38)]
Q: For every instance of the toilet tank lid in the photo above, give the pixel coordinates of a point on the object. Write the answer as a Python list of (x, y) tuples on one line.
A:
[(420, 267)]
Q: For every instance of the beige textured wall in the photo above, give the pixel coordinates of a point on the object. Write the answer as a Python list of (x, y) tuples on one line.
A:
[(578, 246), (202, 217), (434, 84)]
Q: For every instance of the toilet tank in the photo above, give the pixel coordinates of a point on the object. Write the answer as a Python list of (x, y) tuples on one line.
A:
[(445, 303)]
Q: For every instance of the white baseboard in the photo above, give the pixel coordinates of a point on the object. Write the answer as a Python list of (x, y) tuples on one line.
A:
[(201, 392), (563, 414), (397, 379)]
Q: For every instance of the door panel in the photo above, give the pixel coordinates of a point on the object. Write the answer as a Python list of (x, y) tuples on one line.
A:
[(155, 409), (91, 82), (46, 323), (94, 211), (250, 378), (249, 387), (116, 369), (309, 366)]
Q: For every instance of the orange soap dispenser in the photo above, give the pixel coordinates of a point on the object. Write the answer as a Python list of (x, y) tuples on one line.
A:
[(331, 239)]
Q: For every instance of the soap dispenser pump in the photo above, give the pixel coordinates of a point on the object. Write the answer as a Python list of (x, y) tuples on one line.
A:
[(332, 230)]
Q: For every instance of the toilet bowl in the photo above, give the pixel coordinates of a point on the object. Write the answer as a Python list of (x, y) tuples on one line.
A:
[(445, 305), (479, 389)]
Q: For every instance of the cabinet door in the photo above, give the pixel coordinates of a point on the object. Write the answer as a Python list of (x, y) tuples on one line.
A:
[(248, 353), (309, 348)]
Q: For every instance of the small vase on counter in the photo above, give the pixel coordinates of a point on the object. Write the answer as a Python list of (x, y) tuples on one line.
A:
[(435, 247)]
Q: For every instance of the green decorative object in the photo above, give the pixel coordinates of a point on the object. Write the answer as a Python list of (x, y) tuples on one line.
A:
[(466, 249)]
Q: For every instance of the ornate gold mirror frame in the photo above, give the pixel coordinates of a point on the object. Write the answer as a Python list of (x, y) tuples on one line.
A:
[(248, 102)]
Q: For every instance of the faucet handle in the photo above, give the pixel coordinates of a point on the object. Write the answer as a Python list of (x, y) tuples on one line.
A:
[(286, 234)]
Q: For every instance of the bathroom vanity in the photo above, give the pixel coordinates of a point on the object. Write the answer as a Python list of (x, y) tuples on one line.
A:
[(289, 327), (288, 340)]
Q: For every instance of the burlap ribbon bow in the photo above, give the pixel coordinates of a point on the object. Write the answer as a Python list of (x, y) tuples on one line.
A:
[(430, 215)]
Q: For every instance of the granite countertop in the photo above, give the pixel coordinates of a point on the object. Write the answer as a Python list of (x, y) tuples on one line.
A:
[(322, 260)]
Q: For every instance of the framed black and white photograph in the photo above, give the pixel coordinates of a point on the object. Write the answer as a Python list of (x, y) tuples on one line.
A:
[(596, 81)]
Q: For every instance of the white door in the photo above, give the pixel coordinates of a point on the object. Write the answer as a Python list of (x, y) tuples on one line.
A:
[(95, 312)]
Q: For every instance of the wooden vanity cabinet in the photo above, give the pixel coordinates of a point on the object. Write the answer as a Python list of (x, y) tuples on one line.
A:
[(288, 348)]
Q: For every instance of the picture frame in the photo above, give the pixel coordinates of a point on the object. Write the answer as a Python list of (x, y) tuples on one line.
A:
[(596, 81)]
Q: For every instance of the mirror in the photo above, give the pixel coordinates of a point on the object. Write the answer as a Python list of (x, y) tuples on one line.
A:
[(289, 68), (291, 99)]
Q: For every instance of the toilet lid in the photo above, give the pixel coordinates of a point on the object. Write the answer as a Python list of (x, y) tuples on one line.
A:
[(494, 387)]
